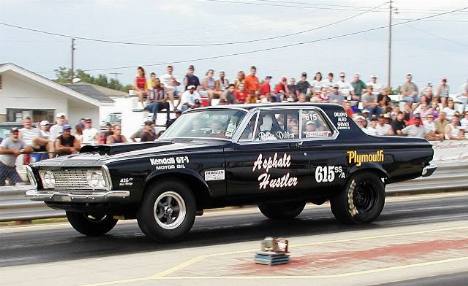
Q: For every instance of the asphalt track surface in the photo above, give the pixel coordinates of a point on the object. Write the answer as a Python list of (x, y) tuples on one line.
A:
[(32, 245)]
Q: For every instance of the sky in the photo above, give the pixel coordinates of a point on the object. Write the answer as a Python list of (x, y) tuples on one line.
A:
[(430, 49)]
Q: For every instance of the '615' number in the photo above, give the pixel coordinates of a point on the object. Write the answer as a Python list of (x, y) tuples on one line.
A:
[(324, 174)]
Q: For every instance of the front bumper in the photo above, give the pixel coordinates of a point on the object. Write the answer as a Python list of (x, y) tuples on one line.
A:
[(429, 170), (79, 197)]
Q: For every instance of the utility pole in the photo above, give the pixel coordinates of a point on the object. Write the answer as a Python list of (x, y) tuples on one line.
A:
[(389, 65), (72, 60)]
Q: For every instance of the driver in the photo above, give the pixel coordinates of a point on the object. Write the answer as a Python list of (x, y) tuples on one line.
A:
[(266, 130)]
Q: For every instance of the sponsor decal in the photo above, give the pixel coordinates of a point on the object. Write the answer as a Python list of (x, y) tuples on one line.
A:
[(273, 162), (342, 120), (168, 163), (125, 182), (327, 174), (355, 158), (215, 175)]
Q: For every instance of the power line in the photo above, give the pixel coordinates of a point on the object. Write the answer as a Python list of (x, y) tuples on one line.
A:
[(438, 36), (287, 45), (193, 44)]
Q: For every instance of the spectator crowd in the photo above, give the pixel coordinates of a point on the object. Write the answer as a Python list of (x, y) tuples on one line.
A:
[(430, 112)]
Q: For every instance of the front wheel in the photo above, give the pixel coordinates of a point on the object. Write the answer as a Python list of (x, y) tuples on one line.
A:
[(288, 210), (168, 211), (361, 201), (91, 224)]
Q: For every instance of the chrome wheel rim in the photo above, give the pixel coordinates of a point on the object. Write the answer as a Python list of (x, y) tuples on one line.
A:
[(169, 210)]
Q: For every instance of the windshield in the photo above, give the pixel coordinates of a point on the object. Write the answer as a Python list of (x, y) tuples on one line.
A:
[(206, 123)]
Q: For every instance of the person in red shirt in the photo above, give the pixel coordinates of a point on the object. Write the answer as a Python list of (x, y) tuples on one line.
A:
[(265, 87), (140, 84), (281, 89), (252, 85)]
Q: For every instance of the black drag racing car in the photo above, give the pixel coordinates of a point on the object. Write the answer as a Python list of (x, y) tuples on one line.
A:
[(278, 156)]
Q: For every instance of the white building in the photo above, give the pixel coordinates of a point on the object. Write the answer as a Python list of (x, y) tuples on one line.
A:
[(24, 93)]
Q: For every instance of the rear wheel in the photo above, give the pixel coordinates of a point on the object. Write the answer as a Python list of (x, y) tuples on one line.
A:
[(287, 210), (361, 201), (91, 224), (167, 212)]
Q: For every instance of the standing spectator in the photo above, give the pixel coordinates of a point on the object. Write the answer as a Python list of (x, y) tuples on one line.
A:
[(116, 136), (10, 149), (252, 85), (345, 87), (330, 81), (443, 90), (358, 86), (89, 132), (383, 128), (148, 134), (208, 86), (399, 123), (409, 90), (190, 78), (189, 99), (66, 143), (170, 83), (441, 124), (241, 95), (230, 94), (157, 100), (317, 83), (28, 133), (141, 85), (375, 85), (416, 129), (265, 87), (369, 102), (303, 85), (453, 130), (57, 129), (222, 83)]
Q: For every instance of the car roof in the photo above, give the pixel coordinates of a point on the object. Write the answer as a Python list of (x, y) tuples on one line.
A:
[(280, 104)]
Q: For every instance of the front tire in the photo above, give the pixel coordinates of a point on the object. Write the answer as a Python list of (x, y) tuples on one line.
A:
[(288, 210), (167, 212), (361, 201), (90, 224)]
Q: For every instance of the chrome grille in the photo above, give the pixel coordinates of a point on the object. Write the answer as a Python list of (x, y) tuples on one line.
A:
[(71, 179)]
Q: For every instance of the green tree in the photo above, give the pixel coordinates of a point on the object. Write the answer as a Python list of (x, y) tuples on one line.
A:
[(64, 75)]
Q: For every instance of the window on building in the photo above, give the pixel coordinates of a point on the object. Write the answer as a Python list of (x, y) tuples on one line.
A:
[(37, 115)]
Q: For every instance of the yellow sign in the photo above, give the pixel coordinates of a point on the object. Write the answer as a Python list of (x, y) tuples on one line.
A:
[(355, 158)]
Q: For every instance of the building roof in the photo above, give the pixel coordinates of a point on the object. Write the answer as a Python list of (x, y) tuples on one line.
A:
[(94, 100), (92, 91)]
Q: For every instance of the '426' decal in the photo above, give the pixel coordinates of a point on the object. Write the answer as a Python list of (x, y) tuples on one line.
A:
[(327, 174)]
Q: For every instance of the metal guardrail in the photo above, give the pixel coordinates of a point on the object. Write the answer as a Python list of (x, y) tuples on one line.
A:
[(448, 177)]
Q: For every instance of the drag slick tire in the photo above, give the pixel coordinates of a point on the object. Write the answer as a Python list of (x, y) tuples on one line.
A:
[(288, 210), (91, 224), (167, 212), (361, 201)]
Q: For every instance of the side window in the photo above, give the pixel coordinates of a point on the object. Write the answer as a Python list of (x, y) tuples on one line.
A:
[(314, 125), (247, 134), (277, 125)]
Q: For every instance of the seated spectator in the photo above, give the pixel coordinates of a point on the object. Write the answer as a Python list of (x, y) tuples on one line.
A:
[(345, 87), (408, 110), (416, 129), (464, 121), (265, 87), (66, 143), (409, 90), (170, 83), (292, 88), (78, 133), (423, 109), (348, 108), (303, 85), (443, 90), (383, 128), (158, 100), (141, 85), (453, 130), (361, 122), (281, 89), (230, 95), (222, 83), (371, 128), (148, 134), (189, 99), (399, 123), (336, 96), (10, 149), (329, 82), (241, 95), (317, 83), (45, 135), (383, 99), (430, 127), (89, 132), (441, 124), (57, 129), (358, 87), (376, 87), (116, 136), (369, 102), (208, 86), (103, 134), (449, 109), (190, 78)]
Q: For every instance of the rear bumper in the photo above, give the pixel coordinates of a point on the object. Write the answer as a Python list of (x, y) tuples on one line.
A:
[(429, 170), (75, 196)]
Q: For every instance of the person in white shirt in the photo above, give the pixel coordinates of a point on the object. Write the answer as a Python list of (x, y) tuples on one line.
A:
[(371, 128), (57, 129), (383, 128), (345, 86), (416, 129), (464, 122), (170, 83), (28, 133), (189, 99), (89, 133), (453, 130), (376, 87)]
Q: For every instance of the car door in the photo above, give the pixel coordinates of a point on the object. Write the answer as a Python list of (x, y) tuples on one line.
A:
[(267, 160)]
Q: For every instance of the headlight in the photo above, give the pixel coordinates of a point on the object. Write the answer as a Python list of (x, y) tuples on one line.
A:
[(48, 179), (96, 179)]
